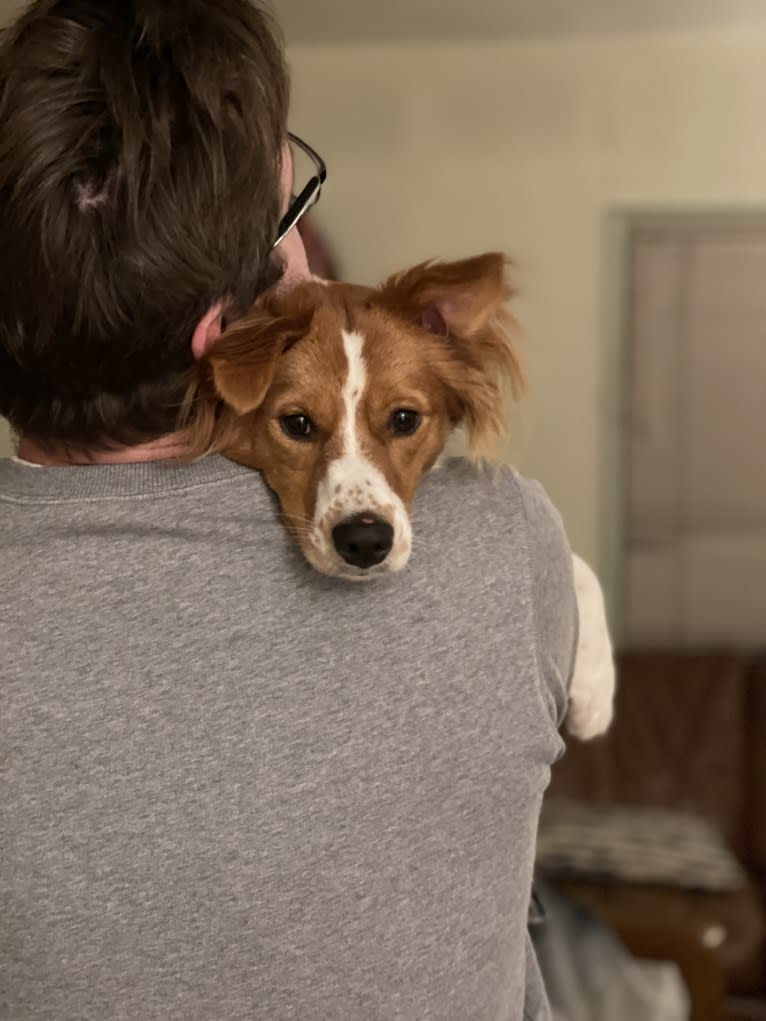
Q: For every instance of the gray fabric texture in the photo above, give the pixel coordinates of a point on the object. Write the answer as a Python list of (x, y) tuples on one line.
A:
[(231, 788)]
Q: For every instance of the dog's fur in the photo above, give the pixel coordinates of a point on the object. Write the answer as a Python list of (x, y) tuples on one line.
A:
[(345, 396)]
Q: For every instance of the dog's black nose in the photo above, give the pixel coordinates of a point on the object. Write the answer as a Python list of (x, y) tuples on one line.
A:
[(364, 540)]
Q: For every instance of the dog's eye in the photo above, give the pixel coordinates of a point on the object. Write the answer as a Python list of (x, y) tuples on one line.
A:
[(298, 427), (404, 422)]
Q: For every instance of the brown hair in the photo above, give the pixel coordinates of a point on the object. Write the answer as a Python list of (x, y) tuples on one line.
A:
[(140, 155)]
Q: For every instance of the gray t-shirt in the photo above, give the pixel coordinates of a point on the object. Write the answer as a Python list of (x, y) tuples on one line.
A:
[(231, 788)]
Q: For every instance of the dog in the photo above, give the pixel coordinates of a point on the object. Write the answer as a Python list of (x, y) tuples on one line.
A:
[(344, 396)]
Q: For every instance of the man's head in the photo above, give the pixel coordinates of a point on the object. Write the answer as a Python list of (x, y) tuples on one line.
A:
[(142, 147)]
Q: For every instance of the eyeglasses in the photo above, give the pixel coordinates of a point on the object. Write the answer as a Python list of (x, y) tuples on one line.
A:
[(309, 196)]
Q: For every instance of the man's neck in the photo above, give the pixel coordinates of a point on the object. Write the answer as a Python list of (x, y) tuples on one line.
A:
[(56, 456)]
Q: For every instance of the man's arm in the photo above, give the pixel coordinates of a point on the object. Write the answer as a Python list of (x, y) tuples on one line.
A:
[(553, 596), (574, 647)]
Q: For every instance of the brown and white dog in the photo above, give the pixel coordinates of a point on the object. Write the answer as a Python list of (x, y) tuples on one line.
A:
[(345, 396)]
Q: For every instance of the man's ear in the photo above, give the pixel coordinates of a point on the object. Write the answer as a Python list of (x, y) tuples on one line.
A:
[(208, 330), (242, 363)]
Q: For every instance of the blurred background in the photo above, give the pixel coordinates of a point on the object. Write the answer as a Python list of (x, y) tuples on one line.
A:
[(617, 153)]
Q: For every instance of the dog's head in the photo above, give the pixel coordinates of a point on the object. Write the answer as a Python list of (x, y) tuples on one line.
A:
[(344, 396)]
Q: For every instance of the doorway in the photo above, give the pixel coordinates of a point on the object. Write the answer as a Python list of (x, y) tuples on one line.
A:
[(693, 445)]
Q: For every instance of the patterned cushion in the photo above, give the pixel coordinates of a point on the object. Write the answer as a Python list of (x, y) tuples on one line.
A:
[(635, 845)]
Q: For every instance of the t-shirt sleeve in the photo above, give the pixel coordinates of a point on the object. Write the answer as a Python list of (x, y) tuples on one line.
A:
[(554, 602)]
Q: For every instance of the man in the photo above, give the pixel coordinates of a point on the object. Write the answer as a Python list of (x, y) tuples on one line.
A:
[(231, 788)]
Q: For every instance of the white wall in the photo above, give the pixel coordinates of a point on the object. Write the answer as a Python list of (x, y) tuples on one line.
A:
[(524, 146)]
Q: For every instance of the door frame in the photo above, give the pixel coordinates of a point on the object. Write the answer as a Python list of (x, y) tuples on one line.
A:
[(620, 223)]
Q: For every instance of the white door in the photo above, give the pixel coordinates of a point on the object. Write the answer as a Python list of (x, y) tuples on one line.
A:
[(696, 439)]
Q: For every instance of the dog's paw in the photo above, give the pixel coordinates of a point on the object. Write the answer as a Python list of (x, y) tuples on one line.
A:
[(591, 695), (587, 718)]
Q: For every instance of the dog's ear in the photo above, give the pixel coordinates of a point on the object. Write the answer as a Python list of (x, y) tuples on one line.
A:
[(242, 363), (234, 377), (465, 304), (455, 298)]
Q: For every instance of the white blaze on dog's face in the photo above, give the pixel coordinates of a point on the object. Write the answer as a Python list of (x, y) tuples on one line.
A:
[(359, 516), (343, 397)]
